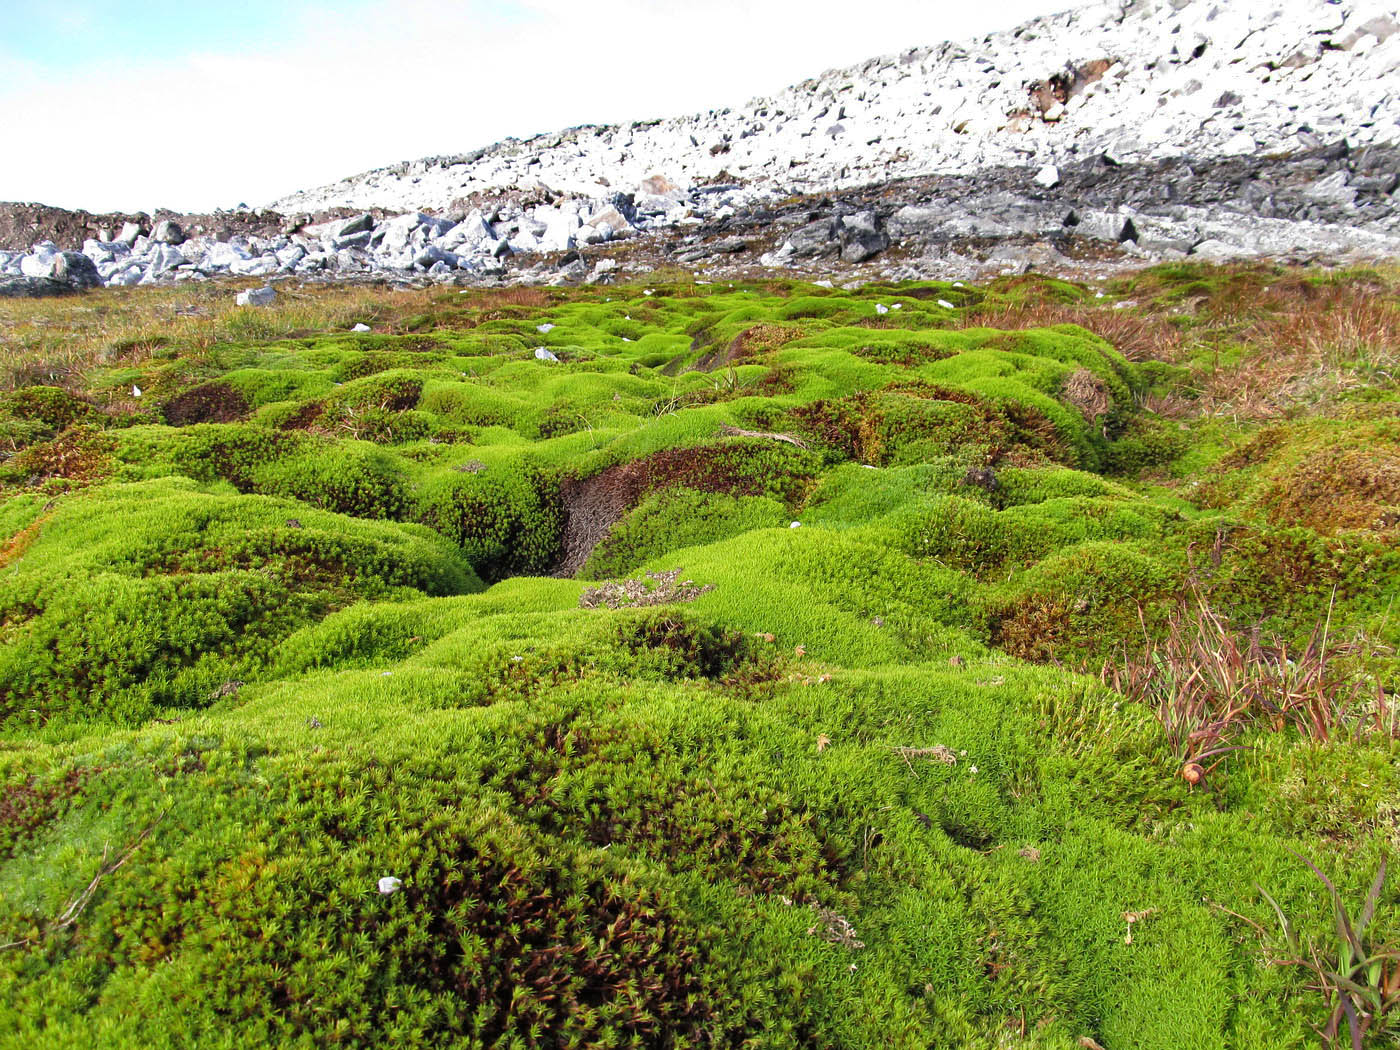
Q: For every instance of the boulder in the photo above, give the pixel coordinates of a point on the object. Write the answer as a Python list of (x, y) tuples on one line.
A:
[(861, 238), (130, 231), (1241, 144), (163, 259), (221, 255), (12, 287), (76, 270), (260, 266), (1334, 189), (358, 239), (611, 222), (1048, 177), (470, 232), (39, 262), (816, 238), (256, 296), (362, 223), (168, 232)]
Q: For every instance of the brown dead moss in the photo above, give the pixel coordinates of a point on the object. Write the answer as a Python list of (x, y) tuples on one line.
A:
[(17, 544), (207, 403), (1032, 628), (81, 454), (1331, 491)]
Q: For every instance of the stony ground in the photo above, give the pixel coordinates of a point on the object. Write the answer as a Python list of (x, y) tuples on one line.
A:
[(696, 664)]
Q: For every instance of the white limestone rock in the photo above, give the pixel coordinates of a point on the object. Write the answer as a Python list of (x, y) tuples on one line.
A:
[(256, 296)]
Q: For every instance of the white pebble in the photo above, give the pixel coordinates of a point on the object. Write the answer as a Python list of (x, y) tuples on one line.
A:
[(361, 327), (946, 304), (546, 327), (795, 525), (389, 884)]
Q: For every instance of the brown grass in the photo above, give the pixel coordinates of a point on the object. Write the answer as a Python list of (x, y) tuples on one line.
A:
[(58, 341)]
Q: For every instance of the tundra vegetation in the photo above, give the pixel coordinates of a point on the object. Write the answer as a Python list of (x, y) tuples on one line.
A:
[(765, 665)]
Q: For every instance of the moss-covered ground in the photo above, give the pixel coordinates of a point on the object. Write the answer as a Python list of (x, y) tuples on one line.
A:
[(287, 610)]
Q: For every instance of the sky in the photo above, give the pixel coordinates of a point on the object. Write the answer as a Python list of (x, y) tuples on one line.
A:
[(127, 105)]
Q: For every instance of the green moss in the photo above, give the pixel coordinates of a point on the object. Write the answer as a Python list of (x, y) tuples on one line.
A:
[(844, 790), (678, 518)]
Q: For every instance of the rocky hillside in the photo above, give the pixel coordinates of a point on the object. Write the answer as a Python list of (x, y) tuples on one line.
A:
[(1138, 81), (1106, 136)]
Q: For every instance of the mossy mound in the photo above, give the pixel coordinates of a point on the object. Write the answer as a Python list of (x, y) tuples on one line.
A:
[(157, 595)]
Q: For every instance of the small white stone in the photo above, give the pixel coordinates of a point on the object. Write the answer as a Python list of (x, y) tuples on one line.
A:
[(544, 328), (795, 525), (361, 327), (1048, 176), (946, 304), (135, 390), (897, 306), (389, 884), (541, 354), (881, 308)]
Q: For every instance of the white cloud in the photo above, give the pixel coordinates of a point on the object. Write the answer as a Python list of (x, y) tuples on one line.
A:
[(416, 77)]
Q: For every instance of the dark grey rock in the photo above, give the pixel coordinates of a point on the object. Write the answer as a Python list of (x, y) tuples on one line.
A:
[(76, 270), (816, 238), (33, 287), (858, 245), (168, 231), (359, 224)]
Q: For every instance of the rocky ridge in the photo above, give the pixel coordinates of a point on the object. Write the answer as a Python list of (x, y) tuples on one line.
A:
[(1111, 134)]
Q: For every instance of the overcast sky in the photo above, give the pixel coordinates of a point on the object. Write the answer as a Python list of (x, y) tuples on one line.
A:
[(200, 104)]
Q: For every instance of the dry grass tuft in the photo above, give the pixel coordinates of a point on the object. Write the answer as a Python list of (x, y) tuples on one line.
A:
[(1208, 682), (1088, 393), (666, 588)]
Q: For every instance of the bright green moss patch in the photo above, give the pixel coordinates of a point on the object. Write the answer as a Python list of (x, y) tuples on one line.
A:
[(714, 684), (155, 595)]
